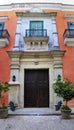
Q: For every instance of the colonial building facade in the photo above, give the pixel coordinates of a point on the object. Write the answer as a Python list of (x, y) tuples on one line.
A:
[(36, 45)]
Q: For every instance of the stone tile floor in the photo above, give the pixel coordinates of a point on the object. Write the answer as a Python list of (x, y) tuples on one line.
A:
[(36, 123)]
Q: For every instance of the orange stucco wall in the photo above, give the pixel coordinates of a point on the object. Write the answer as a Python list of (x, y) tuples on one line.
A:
[(10, 25), (68, 59), (61, 23)]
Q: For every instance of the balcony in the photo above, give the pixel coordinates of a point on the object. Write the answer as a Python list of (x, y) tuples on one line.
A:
[(4, 38), (36, 35), (36, 39), (69, 37)]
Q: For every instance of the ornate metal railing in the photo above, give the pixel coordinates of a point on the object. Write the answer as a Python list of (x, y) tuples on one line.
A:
[(4, 34), (68, 33), (36, 33)]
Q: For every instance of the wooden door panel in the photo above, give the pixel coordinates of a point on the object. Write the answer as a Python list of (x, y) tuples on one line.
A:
[(36, 92)]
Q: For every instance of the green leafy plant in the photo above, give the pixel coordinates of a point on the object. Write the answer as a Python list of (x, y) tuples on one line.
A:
[(4, 87), (65, 89), (65, 107)]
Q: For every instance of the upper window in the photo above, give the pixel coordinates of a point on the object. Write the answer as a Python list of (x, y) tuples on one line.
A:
[(70, 25), (36, 28), (71, 28), (1, 28)]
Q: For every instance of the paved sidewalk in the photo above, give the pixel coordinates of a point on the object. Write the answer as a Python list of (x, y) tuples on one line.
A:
[(36, 119), (36, 123)]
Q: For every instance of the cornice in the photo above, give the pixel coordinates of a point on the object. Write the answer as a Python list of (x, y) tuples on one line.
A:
[(29, 6), (36, 14), (57, 53), (15, 54), (42, 54)]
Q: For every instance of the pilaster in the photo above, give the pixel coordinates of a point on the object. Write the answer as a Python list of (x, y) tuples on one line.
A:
[(54, 31), (17, 35)]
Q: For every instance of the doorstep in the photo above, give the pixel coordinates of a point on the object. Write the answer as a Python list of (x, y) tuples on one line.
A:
[(36, 112)]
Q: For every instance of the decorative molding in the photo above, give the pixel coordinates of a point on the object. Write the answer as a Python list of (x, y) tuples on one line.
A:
[(69, 16), (14, 83), (46, 54), (69, 42), (55, 33), (51, 60), (36, 14), (38, 10), (15, 54), (4, 42), (3, 17), (57, 53)]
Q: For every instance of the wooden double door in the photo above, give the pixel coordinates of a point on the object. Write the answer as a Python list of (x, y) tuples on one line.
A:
[(36, 88)]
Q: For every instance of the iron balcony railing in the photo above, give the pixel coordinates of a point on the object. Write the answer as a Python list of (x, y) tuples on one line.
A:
[(68, 33), (4, 34), (36, 33)]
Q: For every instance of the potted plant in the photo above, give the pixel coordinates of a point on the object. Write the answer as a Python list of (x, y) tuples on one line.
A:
[(65, 89), (4, 87)]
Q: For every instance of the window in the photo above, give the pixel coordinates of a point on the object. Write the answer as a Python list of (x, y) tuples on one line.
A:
[(1, 28), (36, 28), (70, 25), (71, 28)]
